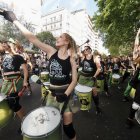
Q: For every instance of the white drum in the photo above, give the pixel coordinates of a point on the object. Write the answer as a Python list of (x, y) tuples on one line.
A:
[(115, 78), (84, 94), (6, 114), (42, 123)]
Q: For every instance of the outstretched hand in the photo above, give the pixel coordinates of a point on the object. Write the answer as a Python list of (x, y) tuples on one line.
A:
[(8, 15)]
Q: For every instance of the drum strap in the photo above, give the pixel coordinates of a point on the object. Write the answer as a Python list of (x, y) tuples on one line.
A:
[(13, 81), (65, 105), (86, 74)]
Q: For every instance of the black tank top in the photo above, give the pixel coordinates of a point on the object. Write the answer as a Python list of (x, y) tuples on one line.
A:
[(88, 66), (59, 70)]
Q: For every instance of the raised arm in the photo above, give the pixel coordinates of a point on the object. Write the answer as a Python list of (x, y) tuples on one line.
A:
[(136, 45), (10, 16)]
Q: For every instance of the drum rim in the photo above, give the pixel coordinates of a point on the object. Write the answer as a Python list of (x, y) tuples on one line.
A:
[(83, 86), (44, 72), (117, 75), (48, 83), (39, 136)]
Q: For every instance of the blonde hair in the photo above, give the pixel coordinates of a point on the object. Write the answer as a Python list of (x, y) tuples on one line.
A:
[(72, 45), (18, 45)]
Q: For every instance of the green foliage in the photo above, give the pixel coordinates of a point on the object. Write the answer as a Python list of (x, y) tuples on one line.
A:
[(47, 38), (117, 20), (8, 30)]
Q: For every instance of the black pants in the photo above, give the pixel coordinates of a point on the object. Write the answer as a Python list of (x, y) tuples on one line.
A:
[(13, 102)]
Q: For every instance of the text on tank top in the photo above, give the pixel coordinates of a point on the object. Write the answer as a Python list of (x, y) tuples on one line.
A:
[(88, 66), (59, 70)]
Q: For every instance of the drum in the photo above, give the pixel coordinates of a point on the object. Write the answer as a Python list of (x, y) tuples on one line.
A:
[(100, 85), (44, 76), (137, 115), (122, 71), (84, 94), (132, 93), (43, 89), (6, 114), (115, 78), (43, 123)]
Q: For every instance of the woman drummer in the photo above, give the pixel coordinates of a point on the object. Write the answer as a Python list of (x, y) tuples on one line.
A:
[(135, 83), (60, 67), (115, 68), (12, 80), (20, 50), (89, 72)]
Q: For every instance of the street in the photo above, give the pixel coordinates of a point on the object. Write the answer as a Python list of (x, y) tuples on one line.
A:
[(110, 125)]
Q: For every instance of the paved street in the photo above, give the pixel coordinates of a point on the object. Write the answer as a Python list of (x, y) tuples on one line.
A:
[(89, 126)]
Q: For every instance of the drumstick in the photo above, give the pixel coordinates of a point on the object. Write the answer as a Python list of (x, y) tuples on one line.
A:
[(21, 92)]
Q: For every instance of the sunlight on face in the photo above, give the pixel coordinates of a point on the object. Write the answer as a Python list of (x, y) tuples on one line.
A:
[(61, 41)]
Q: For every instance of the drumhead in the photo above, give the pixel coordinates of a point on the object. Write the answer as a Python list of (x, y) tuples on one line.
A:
[(137, 115), (83, 89), (45, 72), (116, 76), (2, 97), (41, 122)]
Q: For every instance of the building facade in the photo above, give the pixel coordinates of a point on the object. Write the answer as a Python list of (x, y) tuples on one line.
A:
[(78, 24)]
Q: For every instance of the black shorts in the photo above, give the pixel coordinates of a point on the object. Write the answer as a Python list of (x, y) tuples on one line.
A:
[(13, 101)]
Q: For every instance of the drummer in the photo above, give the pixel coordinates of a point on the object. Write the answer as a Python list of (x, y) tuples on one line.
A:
[(90, 70), (20, 50), (102, 75), (128, 64), (135, 83), (115, 68), (13, 82), (60, 66)]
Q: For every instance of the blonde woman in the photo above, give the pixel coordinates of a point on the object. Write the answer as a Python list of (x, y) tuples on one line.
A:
[(61, 64)]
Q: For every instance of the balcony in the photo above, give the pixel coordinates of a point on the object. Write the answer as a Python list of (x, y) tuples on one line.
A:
[(52, 22)]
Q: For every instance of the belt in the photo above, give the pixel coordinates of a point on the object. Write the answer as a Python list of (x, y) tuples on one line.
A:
[(86, 74), (58, 87), (10, 75)]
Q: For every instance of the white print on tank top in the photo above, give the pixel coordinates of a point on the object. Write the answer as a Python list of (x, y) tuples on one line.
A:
[(56, 70), (7, 62), (116, 66), (87, 66)]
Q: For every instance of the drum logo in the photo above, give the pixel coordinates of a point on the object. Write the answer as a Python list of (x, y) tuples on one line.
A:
[(84, 102)]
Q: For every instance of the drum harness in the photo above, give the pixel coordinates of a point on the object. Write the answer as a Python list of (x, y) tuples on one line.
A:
[(52, 92)]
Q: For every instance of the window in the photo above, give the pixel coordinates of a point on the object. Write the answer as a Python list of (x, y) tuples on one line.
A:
[(60, 25), (54, 18), (54, 25), (51, 19), (60, 17)]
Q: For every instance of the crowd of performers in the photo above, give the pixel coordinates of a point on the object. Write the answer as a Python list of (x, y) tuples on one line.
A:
[(67, 66)]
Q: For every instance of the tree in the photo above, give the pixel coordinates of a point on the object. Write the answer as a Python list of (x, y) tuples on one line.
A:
[(118, 20), (8, 30), (47, 38)]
